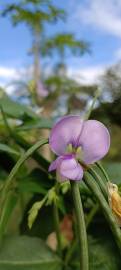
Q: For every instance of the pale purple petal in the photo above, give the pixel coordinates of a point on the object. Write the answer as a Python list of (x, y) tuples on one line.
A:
[(70, 169), (54, 164), (95, 141), (66, 131)]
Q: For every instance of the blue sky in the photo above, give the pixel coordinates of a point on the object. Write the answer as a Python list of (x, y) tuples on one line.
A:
[(92, 20)]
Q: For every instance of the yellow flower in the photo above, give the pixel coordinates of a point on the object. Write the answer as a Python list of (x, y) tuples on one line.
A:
[(115, 201)]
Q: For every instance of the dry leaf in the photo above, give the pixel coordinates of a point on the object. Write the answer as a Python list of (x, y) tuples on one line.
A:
[(51, 241), (66, 231), (115, 201)]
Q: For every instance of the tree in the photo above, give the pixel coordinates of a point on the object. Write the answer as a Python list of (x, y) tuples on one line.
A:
[(63, 42), (110, 102), (111, 81), (35, 13)]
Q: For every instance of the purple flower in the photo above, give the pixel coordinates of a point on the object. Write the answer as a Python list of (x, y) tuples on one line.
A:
[(77, 142)]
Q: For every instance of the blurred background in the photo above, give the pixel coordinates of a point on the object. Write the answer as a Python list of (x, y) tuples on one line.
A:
[(55, 57)]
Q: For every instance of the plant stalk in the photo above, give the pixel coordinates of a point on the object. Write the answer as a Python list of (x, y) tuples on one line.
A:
[(91, 215), (99, 165), (57, 227), (98, 179), (105, 207), (82, 235), (88, 114)]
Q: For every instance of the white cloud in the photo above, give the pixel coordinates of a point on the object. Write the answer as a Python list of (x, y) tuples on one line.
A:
[(8, 75), (118, 54), (104, 15), (89, 75)]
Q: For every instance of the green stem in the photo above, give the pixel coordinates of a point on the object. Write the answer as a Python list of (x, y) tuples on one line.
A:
[(105, 207), (74, 245), (57, 227), (97, 94), (82, 235), (92, 213), (103, 171), (98, 180), (70, 252)]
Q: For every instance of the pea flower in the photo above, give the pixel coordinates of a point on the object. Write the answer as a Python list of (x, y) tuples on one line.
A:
[(77, 142)]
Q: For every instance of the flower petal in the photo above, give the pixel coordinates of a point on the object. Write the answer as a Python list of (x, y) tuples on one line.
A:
[(54, 164), (70, 169), (95, 141), (66, 131)]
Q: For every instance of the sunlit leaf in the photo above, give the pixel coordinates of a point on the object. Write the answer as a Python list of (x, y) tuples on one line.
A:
[(33, 212)]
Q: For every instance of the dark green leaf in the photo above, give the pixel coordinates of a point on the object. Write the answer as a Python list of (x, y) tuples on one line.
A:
[(103, 254), (27, 253), (37, 181), (8, 149), (114, 171), (20, 161), (31, 187)]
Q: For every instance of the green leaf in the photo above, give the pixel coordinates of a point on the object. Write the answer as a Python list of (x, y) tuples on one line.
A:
[(10, 203), (35, 124), (44, 220), (37, 181), (103, 254), (52, 196), (27, 253), (31, 187), (14, 109), (22, 159), (8, 149), (60, 42), (114, 171), (49, 198), (33, 212)]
